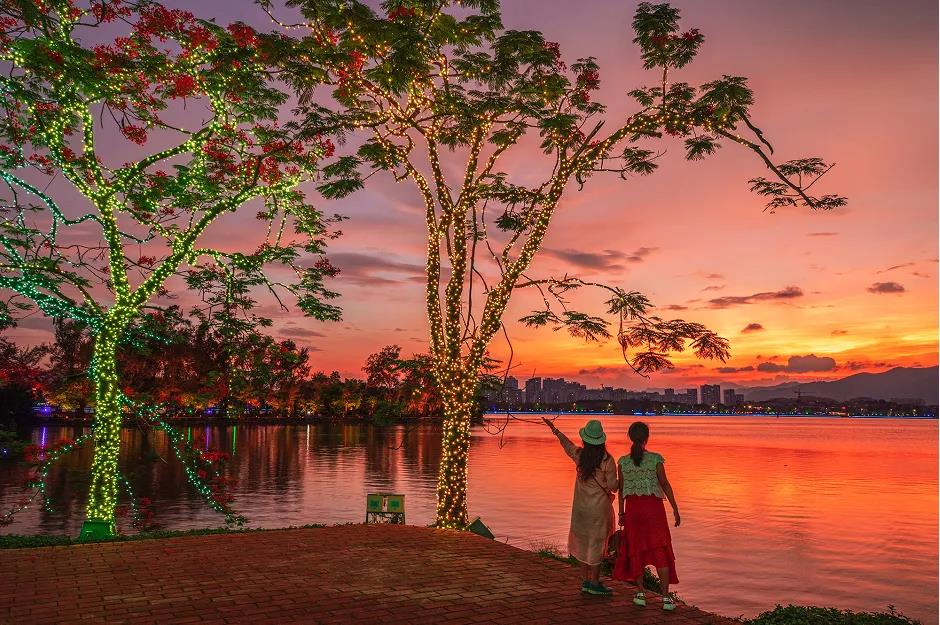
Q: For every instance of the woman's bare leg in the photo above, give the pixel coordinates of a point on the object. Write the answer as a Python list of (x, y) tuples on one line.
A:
[(595, 573), (663, 579)]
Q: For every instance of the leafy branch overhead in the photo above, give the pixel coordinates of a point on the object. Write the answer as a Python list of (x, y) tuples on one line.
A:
[(649, 337), (428, 82)]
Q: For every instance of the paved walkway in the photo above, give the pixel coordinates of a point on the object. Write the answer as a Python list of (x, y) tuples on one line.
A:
[(347, 574)]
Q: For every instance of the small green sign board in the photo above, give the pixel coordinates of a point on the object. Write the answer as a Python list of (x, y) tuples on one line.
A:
[(96, 529)]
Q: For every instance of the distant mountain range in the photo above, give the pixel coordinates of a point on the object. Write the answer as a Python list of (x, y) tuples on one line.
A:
[(898, 383)]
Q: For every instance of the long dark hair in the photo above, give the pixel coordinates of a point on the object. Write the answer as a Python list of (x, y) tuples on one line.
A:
[(589, 459), (639, 433)]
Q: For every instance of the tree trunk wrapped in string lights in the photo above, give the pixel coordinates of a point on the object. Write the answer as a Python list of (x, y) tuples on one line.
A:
[(433, 82), (123, 233)]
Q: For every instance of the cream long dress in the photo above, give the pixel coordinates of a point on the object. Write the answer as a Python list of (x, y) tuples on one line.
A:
[(592, 511)]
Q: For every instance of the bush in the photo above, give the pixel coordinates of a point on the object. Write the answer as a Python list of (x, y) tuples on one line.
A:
[(811, 615), (387, 413), (19, 541), (11, 446)]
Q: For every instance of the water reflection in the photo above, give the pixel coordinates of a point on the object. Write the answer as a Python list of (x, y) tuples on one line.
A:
[(820, 511)]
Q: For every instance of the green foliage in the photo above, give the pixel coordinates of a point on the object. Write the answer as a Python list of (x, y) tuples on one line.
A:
[(811, 615), (151, 211), (11, 446), (21, 541)]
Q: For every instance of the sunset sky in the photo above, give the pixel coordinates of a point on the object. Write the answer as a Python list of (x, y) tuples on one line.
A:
[(800, 295)]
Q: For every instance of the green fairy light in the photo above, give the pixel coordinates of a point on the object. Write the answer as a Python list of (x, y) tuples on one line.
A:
[(38, 481), (52, 95)]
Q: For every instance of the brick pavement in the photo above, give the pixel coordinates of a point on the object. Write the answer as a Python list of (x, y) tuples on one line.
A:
[(378, 574)]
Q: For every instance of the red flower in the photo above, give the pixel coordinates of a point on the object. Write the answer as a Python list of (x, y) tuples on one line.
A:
[(160, 21), (328, 148), (244, 36), (659, 40), (103, 11), (144, 502), (401, 11), (200, 37), (135, 133), (183, 85), (330, 36), (589, 79), (201, 474), (357, 59), (554, 49), (46, 107)]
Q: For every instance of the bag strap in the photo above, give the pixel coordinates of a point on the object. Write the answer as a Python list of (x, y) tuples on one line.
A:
[(594, 477)]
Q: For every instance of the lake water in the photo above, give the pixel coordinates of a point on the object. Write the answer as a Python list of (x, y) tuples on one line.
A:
[(838, 512)]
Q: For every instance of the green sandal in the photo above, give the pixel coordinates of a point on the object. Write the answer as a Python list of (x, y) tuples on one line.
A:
[(639, 599), (669, 604), (599, 589), (585, 585)]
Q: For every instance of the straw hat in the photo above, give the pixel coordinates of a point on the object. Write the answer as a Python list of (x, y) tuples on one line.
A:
[(593, 433)]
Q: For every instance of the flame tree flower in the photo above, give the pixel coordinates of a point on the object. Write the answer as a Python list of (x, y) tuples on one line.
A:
[(193, 108)]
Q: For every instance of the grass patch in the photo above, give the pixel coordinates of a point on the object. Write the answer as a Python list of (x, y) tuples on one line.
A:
[(811, 615), (20, 541)]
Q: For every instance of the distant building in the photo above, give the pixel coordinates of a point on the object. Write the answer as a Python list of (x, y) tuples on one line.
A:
[(669, 394), (511, 392), (711, 394), (738, 399), (691, 396), (533, 390), (729, 397)]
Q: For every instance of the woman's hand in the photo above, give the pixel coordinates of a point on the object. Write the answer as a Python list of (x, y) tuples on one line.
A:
[(675, 513), (549, 423), (620, 519)]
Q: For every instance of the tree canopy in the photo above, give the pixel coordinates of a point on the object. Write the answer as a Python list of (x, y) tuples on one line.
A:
[(440, 92)]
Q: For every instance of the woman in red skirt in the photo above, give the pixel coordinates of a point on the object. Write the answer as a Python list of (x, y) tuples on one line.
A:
[(643, 483)]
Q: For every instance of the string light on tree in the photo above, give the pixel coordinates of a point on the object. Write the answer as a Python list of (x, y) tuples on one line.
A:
[(55, 88), (475, 89)]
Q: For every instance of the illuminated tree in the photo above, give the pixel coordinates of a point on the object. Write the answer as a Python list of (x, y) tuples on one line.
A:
[(441, 87), (108, 236)]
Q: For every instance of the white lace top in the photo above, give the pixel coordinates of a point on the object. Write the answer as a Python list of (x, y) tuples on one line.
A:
[(641, 480)]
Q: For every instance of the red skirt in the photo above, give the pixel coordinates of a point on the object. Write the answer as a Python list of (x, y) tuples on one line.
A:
[(645, 539)]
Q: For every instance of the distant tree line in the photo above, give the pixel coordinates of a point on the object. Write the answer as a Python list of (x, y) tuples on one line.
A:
[(194, 366)]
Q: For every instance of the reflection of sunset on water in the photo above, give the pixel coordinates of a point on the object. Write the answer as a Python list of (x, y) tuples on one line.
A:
[(819, 511)]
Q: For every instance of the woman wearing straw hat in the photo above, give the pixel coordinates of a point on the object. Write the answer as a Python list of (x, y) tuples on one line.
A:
[(592, 512)]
